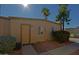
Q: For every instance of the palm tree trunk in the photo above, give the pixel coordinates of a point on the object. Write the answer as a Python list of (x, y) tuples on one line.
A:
[(45, 17), (63, 24)]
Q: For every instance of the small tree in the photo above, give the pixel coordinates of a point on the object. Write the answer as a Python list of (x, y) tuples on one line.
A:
[(63, 15), (45, 12)]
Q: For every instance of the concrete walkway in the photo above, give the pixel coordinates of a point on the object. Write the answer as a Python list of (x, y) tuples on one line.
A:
[(76, 40), (65, 50), (28, 50)]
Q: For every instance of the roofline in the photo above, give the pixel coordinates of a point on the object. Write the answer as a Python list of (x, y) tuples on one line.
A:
[(33, 19), (4, 17), (24, 18), (12, 17)]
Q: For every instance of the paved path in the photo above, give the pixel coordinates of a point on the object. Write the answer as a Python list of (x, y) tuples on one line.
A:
[(28, 50), (76, 40), (65, 50)]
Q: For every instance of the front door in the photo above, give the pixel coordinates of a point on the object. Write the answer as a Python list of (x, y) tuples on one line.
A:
[(25, 33)]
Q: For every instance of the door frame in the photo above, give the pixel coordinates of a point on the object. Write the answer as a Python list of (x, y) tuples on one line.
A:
[(29, 33)]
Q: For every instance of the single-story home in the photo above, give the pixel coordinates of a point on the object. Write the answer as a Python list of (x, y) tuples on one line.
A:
[(73, 31), (27, 30)]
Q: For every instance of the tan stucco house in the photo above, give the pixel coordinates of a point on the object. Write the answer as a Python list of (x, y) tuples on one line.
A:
[(27, 30), (73, 31)]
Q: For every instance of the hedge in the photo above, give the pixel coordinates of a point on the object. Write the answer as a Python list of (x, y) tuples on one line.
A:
[(61, 36), (7, 44)]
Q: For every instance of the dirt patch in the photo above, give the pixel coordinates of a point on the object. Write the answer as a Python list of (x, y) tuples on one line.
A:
[(42, 47), (47, 45)]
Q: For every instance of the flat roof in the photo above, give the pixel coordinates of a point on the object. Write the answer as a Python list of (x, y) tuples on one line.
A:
[(12, 17), (3, 17)]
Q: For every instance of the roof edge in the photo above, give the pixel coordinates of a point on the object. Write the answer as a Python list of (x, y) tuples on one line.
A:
[(12, 17), (4, 17), (33, 19)]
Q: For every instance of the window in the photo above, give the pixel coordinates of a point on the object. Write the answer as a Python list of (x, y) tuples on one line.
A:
[(40, 30)]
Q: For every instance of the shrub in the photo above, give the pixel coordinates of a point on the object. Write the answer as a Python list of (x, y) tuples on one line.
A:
[(61, 36), (7, 44)]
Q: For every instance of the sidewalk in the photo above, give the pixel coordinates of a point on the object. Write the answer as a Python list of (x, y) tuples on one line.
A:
[(25, 50), (65, 50), (28, 50)]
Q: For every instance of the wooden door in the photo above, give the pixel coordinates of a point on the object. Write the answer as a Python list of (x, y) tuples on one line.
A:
[(25, 34)]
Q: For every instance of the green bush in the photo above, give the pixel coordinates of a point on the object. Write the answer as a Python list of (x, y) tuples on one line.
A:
[(61, 36), (7, 44)]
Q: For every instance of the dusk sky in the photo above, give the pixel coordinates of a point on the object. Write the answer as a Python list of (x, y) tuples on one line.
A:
[(34, 11)]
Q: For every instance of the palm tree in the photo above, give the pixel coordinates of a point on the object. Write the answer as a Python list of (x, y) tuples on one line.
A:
[(63, 15), (45, 12)]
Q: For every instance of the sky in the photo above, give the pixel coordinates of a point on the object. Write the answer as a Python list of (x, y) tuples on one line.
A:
[(34, 11)]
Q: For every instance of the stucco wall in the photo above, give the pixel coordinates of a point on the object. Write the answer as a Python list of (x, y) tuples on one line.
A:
[(40, 30), (35, 24), (16, 29), (4, 26)]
